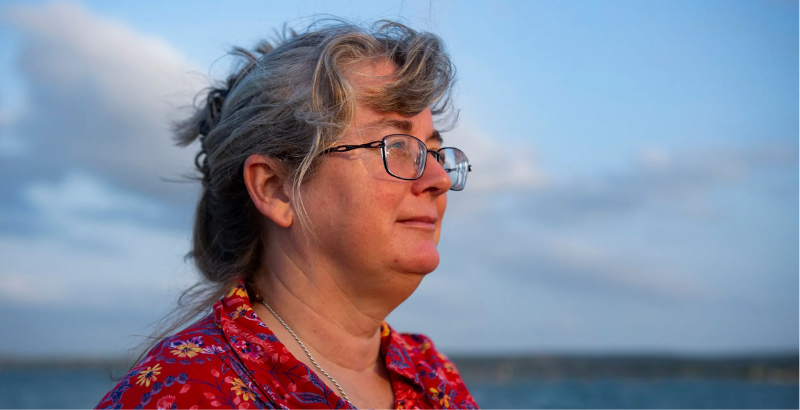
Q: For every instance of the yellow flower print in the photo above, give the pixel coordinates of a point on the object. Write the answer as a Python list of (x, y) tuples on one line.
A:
[(240, 311), (425, 346), (149, 375), (448, 365), (187, 349), (384, 329), (439, 395), (236, 290), (241, 389)]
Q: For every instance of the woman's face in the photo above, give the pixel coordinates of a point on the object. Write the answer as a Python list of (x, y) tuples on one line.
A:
[(368, 221)]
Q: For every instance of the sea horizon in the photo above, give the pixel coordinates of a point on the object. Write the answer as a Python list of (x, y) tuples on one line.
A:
[(577, 380)]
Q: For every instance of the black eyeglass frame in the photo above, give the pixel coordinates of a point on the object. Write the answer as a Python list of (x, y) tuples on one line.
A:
[(382, 145)]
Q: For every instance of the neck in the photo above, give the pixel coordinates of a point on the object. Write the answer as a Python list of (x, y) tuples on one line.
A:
[(335, 313)]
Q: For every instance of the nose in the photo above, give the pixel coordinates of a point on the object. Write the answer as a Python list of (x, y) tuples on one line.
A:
[(434, 179)]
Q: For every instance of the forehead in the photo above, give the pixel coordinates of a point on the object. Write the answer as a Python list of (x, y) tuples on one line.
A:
[(369, 124), (405, 125)]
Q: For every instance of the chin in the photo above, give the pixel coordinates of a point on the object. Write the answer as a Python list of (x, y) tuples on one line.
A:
[(420, 261)]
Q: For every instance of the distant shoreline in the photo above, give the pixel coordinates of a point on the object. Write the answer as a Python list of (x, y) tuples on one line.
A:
[(754, 368)]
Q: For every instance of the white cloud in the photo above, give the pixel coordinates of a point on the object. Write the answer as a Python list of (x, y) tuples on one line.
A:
[(95, 129), (140, 268), (83, 193), (86, 260), (10, 145), (17, 287), (101, 97), (497, 165), (654, 157), (559, 262)]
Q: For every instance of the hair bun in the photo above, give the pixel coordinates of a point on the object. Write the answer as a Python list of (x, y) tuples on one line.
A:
[(214, 102)]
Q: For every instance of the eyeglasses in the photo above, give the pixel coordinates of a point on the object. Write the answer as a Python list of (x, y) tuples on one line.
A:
[(404, 157)]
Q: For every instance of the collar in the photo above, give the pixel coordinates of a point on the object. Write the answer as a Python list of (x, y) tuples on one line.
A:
[(258, 348)]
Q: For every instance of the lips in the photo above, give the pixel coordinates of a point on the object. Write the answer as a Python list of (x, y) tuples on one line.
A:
[(423, 221)]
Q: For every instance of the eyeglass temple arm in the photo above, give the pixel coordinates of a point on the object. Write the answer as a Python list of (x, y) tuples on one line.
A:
[(469, 169), (345, 148)]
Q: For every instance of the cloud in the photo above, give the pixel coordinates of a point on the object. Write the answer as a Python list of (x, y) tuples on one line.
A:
[(610, 236), (682, 181), (510, 181), (93, 249), (497, 166), (633, 259), (100, 99), (88, 222), (80, 193), (10, 144)]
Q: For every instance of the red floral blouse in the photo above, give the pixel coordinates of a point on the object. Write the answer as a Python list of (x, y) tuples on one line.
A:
[(230, 359)]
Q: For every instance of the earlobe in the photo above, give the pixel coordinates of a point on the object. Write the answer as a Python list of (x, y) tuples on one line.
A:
[(266, 186)]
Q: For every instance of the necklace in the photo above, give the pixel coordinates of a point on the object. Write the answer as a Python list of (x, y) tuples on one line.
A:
[(344, 396)]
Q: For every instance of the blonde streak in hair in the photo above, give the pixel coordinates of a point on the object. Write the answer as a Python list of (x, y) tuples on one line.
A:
[(421, 74), (344, 102), (415, 68)]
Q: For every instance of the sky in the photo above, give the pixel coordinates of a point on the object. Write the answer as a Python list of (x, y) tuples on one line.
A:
[(635, 183)]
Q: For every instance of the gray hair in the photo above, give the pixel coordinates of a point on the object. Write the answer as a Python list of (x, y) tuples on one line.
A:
[(290, 102)]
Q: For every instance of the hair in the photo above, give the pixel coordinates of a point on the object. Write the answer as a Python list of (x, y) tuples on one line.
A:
[(289, 101)]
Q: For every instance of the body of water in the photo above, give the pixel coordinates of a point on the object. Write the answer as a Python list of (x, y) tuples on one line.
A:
[(83, 387), (637, 394)]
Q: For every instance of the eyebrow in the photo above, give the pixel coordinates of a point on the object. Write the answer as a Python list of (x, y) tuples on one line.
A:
[(436, 137), (404, 126)]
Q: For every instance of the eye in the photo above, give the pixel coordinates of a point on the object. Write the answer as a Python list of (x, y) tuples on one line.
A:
[(397, 144), (397, 148)]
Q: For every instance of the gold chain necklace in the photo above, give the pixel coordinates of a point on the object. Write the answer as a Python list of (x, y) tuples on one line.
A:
[(344, 396)]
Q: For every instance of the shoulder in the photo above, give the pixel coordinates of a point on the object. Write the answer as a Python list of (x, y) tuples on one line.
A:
[(439, 375), (422, 348), (192, 369)]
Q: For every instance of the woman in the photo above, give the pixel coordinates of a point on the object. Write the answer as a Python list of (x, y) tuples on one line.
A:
[(324, 187)]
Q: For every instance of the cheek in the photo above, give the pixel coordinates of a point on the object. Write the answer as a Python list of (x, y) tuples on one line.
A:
[(353, 212)]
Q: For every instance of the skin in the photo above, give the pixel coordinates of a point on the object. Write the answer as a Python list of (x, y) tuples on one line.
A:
[(375, 239)]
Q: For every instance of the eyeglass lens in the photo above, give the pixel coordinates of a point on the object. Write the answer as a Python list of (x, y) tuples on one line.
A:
[(456, 165), (405, 158)]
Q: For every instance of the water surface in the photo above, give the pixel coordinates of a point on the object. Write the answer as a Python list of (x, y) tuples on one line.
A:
[(41, 387)]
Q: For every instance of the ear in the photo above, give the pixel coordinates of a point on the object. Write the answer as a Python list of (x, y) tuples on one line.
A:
[(267, 189)]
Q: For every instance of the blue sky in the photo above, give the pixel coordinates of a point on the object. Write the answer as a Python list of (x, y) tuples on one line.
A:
[(635, 184)]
